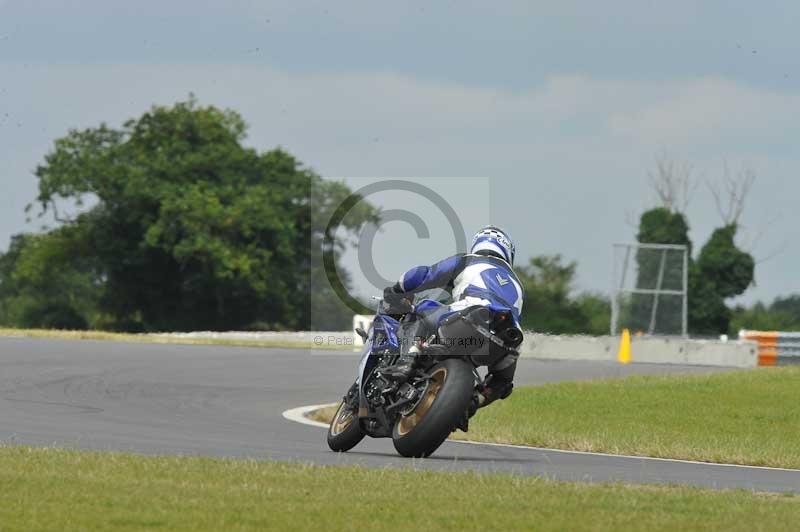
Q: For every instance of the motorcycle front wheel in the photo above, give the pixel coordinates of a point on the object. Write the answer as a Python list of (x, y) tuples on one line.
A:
[(438, 413), (344, 432)]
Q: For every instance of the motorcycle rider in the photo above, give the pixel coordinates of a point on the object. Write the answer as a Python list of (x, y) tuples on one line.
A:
[(483, 276)]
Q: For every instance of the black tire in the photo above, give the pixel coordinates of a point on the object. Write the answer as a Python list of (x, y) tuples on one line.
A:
[(344, 434), (422, 432)]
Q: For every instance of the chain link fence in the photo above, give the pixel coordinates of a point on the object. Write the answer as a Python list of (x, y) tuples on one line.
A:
[(649, 294)]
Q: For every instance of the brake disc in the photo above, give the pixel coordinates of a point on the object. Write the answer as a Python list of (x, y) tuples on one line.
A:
[(419, 395)]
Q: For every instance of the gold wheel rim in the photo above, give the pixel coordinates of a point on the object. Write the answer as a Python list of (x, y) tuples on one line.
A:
[(407, 423), (342, 420)]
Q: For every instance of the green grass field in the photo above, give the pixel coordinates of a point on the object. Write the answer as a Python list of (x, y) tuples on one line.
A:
[(47, 489), (745, 417)]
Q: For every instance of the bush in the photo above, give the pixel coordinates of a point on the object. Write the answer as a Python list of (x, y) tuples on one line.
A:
[(53, 316)]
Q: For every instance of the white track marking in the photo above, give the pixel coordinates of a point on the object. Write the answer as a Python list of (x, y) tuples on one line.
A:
[(607, 455), (298, 415)]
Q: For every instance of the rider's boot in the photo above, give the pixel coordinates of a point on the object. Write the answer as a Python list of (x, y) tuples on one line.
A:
[(492, 390), (406, 364)]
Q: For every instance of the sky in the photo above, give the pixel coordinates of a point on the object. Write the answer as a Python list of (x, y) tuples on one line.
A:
[(542, 117)]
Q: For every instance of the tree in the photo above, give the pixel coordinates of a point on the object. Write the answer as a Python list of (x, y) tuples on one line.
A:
[(674, 183), (595, 309), (191, 229), (728, 268), (659, 269), (44, 284), (759, 317), (549, 307), (9, 291), (720, 271), (663, 226), (731, 192), (789, 304), (782, 315)]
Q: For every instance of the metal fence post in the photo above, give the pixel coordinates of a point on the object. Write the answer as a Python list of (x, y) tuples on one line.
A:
[(686, 293)]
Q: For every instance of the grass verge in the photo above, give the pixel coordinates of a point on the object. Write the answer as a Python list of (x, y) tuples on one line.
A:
[(158, 339), (746, 417), (323, 415), (49, 489)]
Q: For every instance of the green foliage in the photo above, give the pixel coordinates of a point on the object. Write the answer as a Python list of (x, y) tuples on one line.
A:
[(53, 316), (549, 306), (720, 271), (191, 229), (596, 310), (8, 290), (789, 304), (782, 315), (44, 283), (662, 226), (722, 264), (659, 269), (759, 317)]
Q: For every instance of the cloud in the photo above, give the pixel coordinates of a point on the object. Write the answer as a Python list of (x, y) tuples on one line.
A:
[(709, 110), (569, 154)]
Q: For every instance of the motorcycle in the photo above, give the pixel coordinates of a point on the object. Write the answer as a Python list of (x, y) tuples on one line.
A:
[(419, 411)]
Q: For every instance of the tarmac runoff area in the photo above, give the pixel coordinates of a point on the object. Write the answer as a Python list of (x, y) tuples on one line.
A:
[(230, 401)]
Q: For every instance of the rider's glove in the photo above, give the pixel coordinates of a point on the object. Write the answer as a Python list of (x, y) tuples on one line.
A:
[(397, 303)]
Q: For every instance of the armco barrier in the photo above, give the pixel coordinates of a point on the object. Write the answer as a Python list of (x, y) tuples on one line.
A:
[(652, 350), (775, 348)]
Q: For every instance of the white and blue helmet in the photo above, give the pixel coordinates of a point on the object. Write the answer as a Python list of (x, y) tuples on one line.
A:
[(492, 240)]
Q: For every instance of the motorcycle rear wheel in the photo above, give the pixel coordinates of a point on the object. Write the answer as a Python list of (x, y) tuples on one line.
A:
[(438, 413), (344, 432)]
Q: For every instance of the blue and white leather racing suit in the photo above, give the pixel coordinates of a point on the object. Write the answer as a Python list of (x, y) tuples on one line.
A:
[(472, 280)]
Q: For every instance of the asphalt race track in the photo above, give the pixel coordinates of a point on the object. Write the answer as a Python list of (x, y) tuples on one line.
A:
[(227, 401)]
